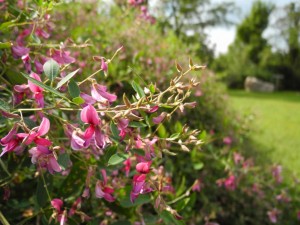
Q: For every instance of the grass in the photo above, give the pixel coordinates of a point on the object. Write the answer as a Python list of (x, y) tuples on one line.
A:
[(276, 125)]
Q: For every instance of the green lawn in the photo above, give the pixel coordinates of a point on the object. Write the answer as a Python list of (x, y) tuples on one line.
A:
[(276, 124)]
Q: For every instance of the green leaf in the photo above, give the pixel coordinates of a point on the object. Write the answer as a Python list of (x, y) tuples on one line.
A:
[(35, 38), (152, 88), (136, 124), (41, 192), (142, 199), (198, 166), (168, 218), (51, 69), (173, 137), (78, 100), (46, 87), (63, 160), (115, 132), (5, 45), (117, 159), (4, 106), (138, 89), (66, 79), (73, 89), (109, 152)]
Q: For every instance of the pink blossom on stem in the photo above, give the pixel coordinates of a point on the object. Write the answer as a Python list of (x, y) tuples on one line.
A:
[(102, 190), (276, 172), (26, 62), (127, 166), (229, 183), (237, 158), (273, 214), (38, 66), (160, 118), (227, 140), (197, 185), (100, 94), (143, 167), (122, 127), (37, 90), (35, 136), (137, 186), (89, 115), (19, 51), (62, 57), (11, 142), (57, 204), (45, 158), (104, 65)]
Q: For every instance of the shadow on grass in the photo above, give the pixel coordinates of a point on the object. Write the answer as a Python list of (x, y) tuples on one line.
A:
[(277, 96)]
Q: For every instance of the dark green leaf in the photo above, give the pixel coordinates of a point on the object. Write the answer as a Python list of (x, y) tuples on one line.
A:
[(117, 159), (63, 160), (109, 152), (73, 89), (137, 124), (66, 79), (42, 85), (115, 132), (138, 89), (142, 199), (41, 192), (168, 218), (4, 106), (51, 69)]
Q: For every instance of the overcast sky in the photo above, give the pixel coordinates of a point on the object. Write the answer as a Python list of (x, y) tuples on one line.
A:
[(221, 37)]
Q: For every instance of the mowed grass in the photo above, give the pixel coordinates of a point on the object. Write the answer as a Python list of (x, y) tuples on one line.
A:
[(275, 127)]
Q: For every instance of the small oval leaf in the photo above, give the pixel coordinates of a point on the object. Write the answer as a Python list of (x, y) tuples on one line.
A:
[(51, 69)]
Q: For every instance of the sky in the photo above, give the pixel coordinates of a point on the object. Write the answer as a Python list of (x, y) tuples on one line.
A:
[(222, 37)]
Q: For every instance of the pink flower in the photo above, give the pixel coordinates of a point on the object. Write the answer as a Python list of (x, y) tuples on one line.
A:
[(272, 214), (76, 205), (35, 136), (78, 141), (160, 118), (127, 166), (37, 90), (41, 33), (19, 51), (26, 62), (38, 66), (100, 94), (276, 172), (11, 142), (122, 127), (57, 204), (229, 183), (89, 115), (237, 158), (137, 186), (227, 140), (103, 191), (62, 57), (19, 92), (104, 66), (143, 167), (153, 109), (197, 185), (45, 159)]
